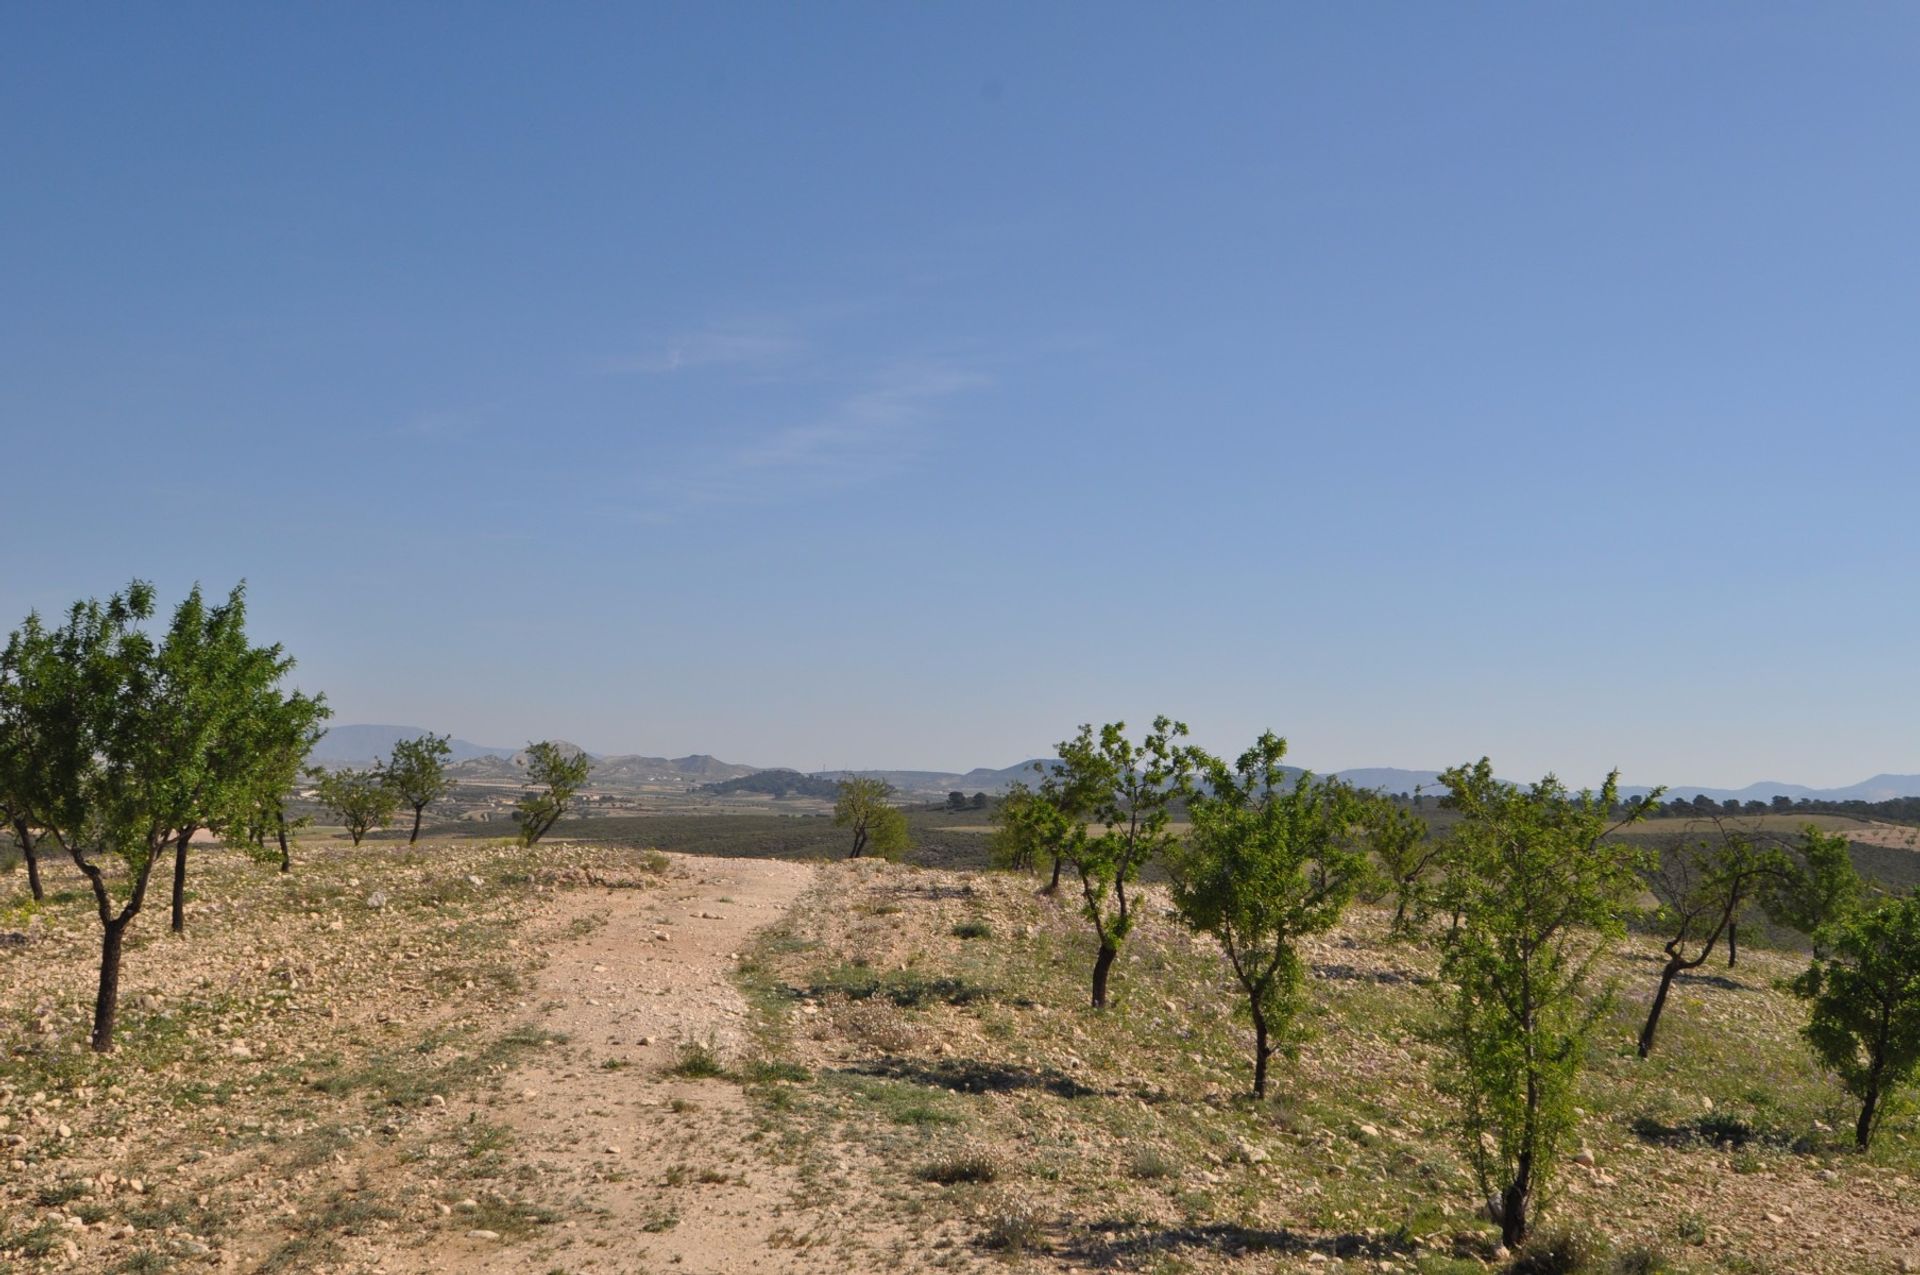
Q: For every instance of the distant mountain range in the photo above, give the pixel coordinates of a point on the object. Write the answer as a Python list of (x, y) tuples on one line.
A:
[(360, 745), (363, 745)]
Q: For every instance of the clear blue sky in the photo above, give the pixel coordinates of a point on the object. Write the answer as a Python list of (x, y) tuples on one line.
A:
[(900, 385)]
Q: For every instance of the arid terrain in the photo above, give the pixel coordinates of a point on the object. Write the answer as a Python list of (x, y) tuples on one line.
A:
[(467, 1056)]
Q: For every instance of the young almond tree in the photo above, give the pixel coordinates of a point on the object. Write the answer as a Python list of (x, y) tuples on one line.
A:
[(284, 731), (866, 806), (1129, 791), (359, 799), (230, 690), (1701, 886), (1408, 853), (417, 773), (1033, 822), (1268, 863), (559, 770), (121, 740), (1865, 1003), (1539, 892)]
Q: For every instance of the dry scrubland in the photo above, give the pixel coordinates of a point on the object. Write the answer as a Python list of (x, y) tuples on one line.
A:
[(473, 1057)]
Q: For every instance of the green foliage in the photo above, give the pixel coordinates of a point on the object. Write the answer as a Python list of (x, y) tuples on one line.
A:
[(878, 825), (417, 774), (1028, 825), (1537, 891), (1116, 799), (359, 799), (120, 744), (1268, 863), (559, 772), (1864, 1002), (1822, 891), (1407, 851)]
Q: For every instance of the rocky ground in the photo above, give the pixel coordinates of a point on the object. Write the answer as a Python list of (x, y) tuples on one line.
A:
[(465, 1057)]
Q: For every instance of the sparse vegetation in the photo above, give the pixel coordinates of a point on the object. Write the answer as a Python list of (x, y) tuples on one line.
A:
[(865, 807), (558, 772)]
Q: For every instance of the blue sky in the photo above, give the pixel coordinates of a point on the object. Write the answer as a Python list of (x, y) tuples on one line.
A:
[(901, 385)]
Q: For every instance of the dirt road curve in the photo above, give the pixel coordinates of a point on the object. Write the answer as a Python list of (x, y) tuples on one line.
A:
[(657, 1172)]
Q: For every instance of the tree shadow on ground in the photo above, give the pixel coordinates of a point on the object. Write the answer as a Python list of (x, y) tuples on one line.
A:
[(1719, 1129), (1125, 1244), (1719, 981), (972, 1075), (1344, 973)]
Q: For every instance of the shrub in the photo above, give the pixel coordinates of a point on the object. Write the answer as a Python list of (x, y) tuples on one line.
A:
[(964, 1166), (973, 930), (697, 1061)]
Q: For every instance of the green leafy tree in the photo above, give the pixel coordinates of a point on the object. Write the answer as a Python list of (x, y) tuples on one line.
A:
[(417, 773), (359, 799), (229, 691), (1128, 790), (1538, 891), (122, 740), (1823, 889), (1701, 886), (1408, 854), (956, 801), (283, 732), (559, 771), (865, 806), (1268, 863), (1030, 824), (1864, 1001)]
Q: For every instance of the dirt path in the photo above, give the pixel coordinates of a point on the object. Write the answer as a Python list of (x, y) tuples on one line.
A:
[(650, 1171)]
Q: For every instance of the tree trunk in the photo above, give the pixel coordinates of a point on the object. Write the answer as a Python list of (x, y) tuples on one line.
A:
[(1514, 1200), (1863, 1132), (1053, 886), (1659, 1003), (1260, 1055), (32, 855), (1733, 943), (859, 841), (415, 834), (180, 880), (1102, 966), (1399, 913), (280, 828), (107, 1001)]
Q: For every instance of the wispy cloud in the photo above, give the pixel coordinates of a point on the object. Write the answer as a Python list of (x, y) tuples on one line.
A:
[(873, 432), (749, 346)]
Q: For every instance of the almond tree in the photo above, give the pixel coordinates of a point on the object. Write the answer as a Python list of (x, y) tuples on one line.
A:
[(1408, 853), (120, 741), (864, 805), (359, 799), (1129, 791), (1865, 1005), (1539, 891), (559, 771), (231, 689), (1701, 887), (1268, 864), (417, 773)]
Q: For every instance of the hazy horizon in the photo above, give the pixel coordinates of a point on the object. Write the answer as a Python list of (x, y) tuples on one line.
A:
[(878, 386)]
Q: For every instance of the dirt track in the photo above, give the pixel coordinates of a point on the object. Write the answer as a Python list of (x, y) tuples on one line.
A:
[(658, 1171)]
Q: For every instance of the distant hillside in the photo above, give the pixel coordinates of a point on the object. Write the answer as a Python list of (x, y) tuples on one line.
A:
[(938, 783), (779, 783), (614, 772), (355, 745)]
